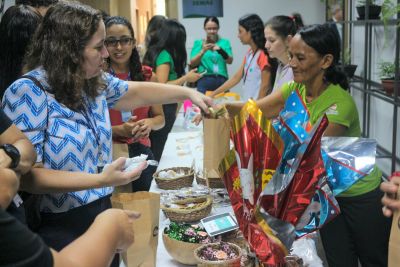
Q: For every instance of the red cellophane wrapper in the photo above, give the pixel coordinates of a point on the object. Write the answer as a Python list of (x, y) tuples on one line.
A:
[(245, 171), (290, 203)]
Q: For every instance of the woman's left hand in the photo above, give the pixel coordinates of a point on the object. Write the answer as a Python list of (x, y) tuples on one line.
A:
[(145, 128), (389, 201), (201, 100), (216, 47)]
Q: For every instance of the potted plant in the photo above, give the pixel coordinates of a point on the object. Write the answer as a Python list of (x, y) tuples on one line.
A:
[(373, 9), (347, 67), (389, 10), (387, 74)]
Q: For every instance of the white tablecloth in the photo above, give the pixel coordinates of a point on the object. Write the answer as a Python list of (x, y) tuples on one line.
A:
[(182, 147)]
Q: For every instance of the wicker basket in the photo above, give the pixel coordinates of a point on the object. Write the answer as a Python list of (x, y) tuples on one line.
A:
[(200, 179), (175, 183), (212, 182), (215, 183), (181, 251), (199, 211), (222, 263)]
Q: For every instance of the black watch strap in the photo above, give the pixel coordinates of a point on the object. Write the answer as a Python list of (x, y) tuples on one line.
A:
[(13, 153)]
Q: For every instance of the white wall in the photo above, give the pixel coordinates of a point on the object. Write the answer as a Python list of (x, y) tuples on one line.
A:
[(312, 11), (7, 4)]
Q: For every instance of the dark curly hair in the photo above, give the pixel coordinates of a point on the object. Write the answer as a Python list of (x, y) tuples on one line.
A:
[(58, 45), (324, 40), (17, 27), (36, 3), (171, 37), (135, 67)]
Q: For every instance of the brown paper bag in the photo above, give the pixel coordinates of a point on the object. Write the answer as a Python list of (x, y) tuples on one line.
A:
[(121, 150), (216, 145), (144, 249), (394, 241)]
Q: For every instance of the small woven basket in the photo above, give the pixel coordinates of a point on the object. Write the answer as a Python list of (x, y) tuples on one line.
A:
[(201, 209), (235, 262), (212, 182), (175, 183), (200, 179), (215, 183)]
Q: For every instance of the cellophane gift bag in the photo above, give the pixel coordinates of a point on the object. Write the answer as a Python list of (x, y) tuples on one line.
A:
[(143, 251), (245, 171)]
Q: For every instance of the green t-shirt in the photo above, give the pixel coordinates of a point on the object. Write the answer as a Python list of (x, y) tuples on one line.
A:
[(340, 108), (165, 58), (212, 61)]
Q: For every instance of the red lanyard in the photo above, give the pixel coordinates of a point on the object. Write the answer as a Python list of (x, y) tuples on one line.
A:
[(248, 67)]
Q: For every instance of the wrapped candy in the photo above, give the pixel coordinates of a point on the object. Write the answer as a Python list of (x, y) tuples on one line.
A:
[(191, 233)]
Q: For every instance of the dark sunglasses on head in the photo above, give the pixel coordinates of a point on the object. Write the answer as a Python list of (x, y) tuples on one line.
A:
[(114, 41)]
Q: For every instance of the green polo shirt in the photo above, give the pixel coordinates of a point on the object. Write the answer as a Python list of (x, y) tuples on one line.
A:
[(165, 58), (212, 61), (340, 108)]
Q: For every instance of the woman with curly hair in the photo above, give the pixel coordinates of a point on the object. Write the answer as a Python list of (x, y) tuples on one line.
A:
[(255, 71), (61, 104)]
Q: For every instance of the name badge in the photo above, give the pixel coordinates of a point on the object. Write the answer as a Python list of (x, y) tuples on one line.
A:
[(215, 68)]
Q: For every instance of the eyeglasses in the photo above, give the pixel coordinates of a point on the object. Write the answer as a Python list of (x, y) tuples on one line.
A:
[(211, 29), (113, 42)]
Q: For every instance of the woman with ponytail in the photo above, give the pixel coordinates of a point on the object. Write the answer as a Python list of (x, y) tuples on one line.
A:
[(131, 128), (255, 70), (278, 31), (314, 52)]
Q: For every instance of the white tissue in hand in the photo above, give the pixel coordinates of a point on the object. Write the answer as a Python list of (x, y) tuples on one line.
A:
[(133, 163)]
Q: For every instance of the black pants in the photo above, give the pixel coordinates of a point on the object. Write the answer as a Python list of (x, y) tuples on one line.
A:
[(158, 138), (210, 83), (60, 229), (360, 232), (144, 182)]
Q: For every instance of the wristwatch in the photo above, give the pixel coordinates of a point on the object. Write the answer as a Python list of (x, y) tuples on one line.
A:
[(13, 153)]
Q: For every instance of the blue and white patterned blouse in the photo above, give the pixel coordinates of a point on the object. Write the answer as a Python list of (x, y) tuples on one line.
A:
[(64, 139)]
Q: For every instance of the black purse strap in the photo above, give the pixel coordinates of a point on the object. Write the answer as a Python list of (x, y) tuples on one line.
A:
[(35, 81)]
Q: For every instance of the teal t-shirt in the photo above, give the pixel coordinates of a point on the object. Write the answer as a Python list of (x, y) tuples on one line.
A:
[(212, 61), (340, 108), (165, 58)]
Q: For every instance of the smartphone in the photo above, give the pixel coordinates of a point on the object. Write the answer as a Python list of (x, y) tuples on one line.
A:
[(211, 39)]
